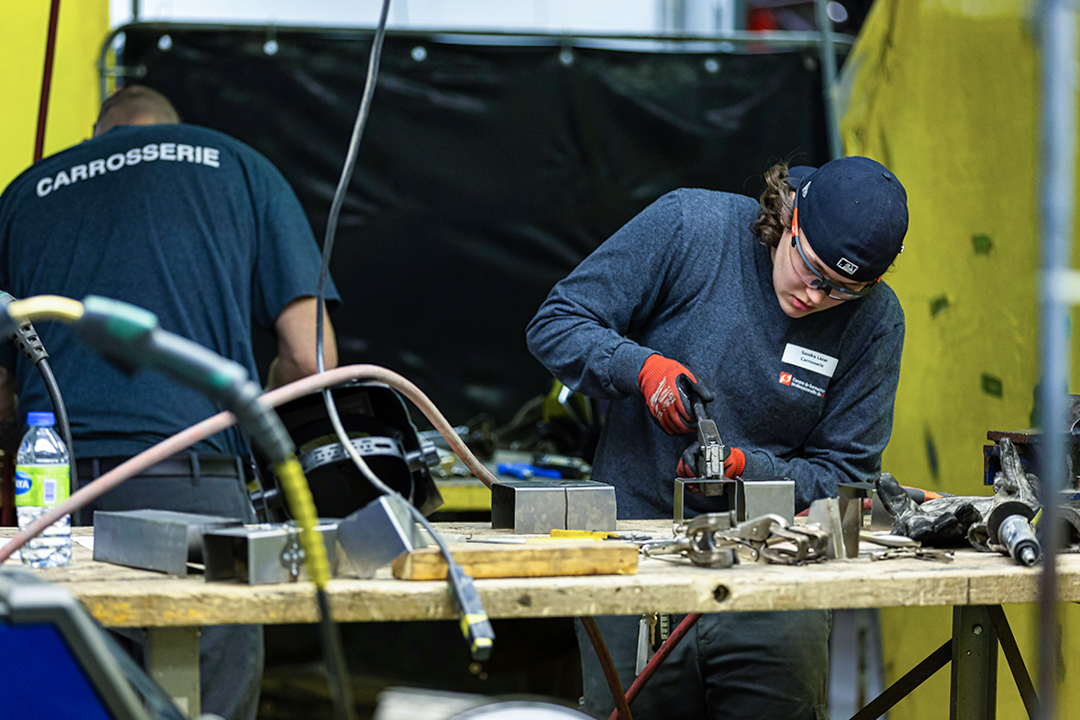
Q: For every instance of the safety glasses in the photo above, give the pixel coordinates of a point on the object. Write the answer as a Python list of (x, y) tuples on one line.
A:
[(818, 281)]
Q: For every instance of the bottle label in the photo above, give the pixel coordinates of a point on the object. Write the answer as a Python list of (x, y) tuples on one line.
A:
[(41, 485)]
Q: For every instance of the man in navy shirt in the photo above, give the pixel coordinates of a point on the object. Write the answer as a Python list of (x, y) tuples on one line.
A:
[(203, 231)]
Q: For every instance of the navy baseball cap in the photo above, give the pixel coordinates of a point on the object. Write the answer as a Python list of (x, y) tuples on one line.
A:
[(854, 213)]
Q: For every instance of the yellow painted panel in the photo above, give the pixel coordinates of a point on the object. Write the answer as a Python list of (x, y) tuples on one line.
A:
[(464, 496), (946, 93), (74, 99)]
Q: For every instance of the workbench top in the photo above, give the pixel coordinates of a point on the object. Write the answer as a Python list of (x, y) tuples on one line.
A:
[(125, 597)]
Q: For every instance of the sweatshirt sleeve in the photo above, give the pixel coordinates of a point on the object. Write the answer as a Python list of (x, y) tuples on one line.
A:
[(846, 443), (582, 332)]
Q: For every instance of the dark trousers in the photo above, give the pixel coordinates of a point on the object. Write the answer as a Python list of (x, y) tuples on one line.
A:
[(730, 666), (230, 656)]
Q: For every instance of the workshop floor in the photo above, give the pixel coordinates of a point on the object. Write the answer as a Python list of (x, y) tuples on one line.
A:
[(531, 657)]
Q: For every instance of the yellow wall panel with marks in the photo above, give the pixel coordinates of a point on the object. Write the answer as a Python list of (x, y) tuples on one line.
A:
[(74, 99), (946, 93)]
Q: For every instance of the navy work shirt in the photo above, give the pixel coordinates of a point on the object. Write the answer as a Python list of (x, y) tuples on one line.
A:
[(183, 221)]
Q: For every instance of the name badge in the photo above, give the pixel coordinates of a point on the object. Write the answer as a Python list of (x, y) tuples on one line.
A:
[(809, 360)]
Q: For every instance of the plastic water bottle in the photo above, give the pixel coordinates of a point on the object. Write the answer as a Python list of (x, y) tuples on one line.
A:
[(42, 480)]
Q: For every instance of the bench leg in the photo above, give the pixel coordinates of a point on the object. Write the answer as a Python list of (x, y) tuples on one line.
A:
[(172, 658), (974, 664)]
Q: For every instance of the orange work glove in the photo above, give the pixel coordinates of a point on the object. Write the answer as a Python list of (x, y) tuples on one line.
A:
[(734, 462), (669, 390)]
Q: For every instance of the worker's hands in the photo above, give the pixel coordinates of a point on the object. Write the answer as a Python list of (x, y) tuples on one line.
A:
[(669, 389), (734, 461)]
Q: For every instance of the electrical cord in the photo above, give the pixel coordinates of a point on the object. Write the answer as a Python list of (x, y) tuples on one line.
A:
[(346, 177), (332, 643), (654, 662), (622, 704), (475, 624), (27, 340), (46, 79)]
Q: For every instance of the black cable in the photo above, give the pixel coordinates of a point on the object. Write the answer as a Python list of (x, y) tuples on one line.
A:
[(334, 656), (60, 410), (464, 593), (343, 182), (26, 339)]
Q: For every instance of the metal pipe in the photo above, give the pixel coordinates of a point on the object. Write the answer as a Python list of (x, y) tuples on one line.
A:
[(46, 80), (827, 51), (1057, 161)]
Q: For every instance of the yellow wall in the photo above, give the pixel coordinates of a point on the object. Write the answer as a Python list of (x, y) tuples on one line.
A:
[(74, 99), (945, 92)]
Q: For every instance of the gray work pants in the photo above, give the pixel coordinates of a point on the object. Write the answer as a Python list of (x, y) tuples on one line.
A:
[(230, 656), (730, 666)]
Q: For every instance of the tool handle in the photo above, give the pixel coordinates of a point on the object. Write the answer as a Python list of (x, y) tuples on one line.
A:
[(699, 409)]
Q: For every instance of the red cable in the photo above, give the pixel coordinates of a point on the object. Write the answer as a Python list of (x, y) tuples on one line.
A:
[(665, 649), (46, 80), (622, 702)]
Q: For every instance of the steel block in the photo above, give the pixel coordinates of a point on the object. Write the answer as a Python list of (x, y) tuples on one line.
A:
[(540, 506), (154, 539), (263, 554)]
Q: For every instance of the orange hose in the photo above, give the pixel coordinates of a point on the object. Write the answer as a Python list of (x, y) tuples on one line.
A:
[(186, 438)]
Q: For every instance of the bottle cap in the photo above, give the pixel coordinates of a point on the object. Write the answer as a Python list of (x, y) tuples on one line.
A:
[(40, 419)]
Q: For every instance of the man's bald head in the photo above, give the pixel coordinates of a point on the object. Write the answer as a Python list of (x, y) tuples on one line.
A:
[(135, 105)]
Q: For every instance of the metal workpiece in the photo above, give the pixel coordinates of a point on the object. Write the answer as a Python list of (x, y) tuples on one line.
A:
[(263, 554), (713, 487), (540, 506), (851, 496), (747, 497), (376, 534), (755, 497), (160, 540), (825, 513)]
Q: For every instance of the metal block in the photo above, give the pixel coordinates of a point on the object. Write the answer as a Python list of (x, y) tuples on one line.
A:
[(154, 539), (263, 554), (763, 496), (698, 486), (590, 507), (376, 534), (540, 506)]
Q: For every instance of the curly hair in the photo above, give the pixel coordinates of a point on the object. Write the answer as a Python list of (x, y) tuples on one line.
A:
[(777, 207)]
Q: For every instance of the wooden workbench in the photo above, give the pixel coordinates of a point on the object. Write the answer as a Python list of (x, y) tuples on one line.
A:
[(124, 597)]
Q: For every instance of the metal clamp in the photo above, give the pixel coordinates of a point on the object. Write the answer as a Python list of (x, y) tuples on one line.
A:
[(712, 540)]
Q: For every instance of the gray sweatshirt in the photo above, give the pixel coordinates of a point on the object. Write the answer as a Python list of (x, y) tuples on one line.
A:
[(808, 398)]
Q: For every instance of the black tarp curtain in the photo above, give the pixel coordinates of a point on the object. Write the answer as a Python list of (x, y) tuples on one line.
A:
[(489, 168)]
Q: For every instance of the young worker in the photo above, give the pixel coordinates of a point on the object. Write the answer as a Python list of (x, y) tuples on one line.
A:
[(775, 311)]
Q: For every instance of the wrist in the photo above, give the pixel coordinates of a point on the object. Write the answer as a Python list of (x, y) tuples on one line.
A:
[(735, 463)]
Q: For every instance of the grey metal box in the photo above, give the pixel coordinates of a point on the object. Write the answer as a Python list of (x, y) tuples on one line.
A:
[(153, 539), (263, 554), (540, 506)]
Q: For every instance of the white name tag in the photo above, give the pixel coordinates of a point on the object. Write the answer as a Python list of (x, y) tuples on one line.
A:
[(810, 360)]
